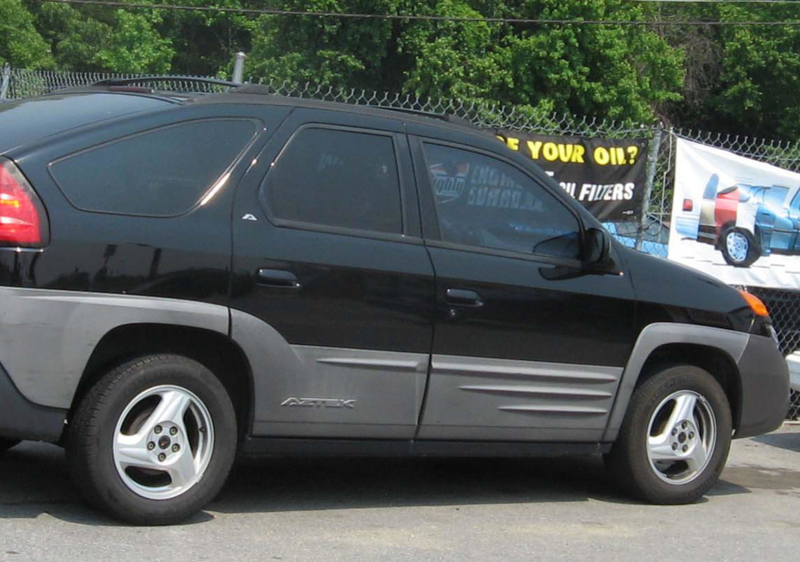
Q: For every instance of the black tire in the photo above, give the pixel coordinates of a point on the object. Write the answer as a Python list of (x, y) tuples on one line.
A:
[(6, 444), (752, 253), (629, 460), (92, 432)]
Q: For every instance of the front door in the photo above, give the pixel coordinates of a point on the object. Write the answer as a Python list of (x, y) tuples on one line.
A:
[(330, 269), (526, 347)]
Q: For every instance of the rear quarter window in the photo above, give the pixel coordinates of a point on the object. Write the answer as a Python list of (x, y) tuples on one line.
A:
[(162, 172)]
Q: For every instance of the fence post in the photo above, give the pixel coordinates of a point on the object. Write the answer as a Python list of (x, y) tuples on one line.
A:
[(650, 176), (238, 67), (6, 77)]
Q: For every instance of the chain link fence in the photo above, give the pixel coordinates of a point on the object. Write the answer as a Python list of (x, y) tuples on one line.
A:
[(649, 234)]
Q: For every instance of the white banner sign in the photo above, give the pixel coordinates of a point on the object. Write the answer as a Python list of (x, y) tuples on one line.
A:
[(735, 218)]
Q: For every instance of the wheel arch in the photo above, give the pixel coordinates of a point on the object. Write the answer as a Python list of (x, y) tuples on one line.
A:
[(711, 359), (721, 229), (216, 351), (715, 350)]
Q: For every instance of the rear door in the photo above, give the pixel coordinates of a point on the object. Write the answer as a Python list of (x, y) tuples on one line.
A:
[(328, 255), (525, 347)]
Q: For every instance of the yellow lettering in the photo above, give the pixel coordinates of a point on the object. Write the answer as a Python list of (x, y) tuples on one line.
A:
[(513, 144), (534, 147), (601, 156), (550, 152), (633, 151)]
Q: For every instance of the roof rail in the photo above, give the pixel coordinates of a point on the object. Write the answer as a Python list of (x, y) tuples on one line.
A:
[(440, 116), (144, 79)]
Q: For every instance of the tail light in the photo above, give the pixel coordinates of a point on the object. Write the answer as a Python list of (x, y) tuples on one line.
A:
[(23, 222), (688, 205)]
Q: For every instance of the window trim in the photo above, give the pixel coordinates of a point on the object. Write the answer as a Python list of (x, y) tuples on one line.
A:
[(259, 128), (438, 242), (794, 204), (401, 236)]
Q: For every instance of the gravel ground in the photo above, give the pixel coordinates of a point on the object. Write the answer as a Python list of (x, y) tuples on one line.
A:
[(419, 509)]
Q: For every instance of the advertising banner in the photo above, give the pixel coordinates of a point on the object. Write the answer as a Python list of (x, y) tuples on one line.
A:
[(735, 218), (606, 176)]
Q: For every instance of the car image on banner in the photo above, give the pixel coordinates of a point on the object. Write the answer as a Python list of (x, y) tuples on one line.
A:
[(735, 218), (744, 222)]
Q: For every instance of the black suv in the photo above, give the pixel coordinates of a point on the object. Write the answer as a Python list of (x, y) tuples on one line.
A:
[(188, 277)]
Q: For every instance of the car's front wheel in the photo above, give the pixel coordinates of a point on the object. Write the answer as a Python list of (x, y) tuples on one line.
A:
[(6, 444), (675, 438), (738, 247), (154, 440)]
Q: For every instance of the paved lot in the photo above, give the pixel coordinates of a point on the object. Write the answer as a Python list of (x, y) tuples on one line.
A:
[(347, 509)]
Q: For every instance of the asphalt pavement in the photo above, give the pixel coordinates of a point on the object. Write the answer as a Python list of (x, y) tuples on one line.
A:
[(420, 510)]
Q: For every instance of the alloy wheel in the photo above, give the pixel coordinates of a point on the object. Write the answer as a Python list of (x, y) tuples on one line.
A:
[(682, 434), (163, 442)]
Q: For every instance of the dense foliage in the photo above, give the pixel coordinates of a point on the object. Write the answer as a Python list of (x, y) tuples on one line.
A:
[(731, 79)]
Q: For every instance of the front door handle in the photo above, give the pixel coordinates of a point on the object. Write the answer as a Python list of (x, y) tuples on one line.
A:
[(277, 278), (460, 297)]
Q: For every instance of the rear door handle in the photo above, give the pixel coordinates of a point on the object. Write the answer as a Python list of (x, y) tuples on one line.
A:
[(278, 278), (460, 297)]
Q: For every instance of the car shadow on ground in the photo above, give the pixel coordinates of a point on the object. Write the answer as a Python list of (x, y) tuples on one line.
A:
[(34, 482), (788, 440)]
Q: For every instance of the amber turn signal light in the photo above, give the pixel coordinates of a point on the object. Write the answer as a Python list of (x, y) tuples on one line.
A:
[(755, 303)]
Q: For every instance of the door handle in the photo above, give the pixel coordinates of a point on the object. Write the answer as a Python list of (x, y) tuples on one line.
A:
[(460, 297), (277, 278)]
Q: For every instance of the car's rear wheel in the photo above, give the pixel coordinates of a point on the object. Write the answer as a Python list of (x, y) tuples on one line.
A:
[(154, 440), (6, 444), (738, 247), (675, 438)]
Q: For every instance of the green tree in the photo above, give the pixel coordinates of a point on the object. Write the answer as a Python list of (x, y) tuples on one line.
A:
[(206, 42), (739, 79), (324, 51), (94, 38), (615, 71), (759, 76), (20, 43), (465, 60)]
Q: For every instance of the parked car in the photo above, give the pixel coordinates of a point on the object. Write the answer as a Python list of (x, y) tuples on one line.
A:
[(744, 221), (794, 371), (186, 277)]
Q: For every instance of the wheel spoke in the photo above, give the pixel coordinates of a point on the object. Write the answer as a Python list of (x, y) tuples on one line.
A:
[(172, 407), (660, 448), (696, 460), (183, 469), (131, 450), (683, 409)]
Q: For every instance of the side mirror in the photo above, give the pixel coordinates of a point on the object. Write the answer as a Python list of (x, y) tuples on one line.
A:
[(597, 248)]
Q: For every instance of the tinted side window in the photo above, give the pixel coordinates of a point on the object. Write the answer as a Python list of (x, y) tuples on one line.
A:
[(162, 172), (337, 178), (482, 201)]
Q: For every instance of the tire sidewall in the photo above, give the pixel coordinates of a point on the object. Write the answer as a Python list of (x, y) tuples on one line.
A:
[(111, 489), (653, 393)]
